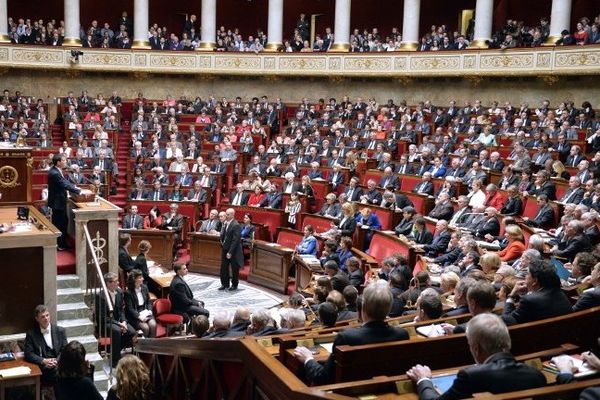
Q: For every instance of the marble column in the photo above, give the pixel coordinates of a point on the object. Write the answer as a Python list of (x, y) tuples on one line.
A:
[(484, 12), (275, 25), (4, 22), (560, 19), (341, 33), (208, 35), (410, 25), (140, 25), (72, 23)]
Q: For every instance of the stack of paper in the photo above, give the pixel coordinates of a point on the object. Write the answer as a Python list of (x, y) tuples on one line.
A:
[(14, 372)]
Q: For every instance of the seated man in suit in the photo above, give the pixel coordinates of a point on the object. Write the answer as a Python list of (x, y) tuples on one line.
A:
[(331, 208), (545, 216), (211, 225), (574, 241), (182, 298), (389, 180), (273, 199), (405, 226), (590, 297), (443, 208), (543, 185), (353, 192), (336, 177), (489, 225), (43, 344), (441, 238), (425, 186), (157, 193), (139, 193), (133, 220), (372, 195), (377, 302), (314, 172), (575, 192), (540, 295), (496, 370), (198, 193), (238, 197)]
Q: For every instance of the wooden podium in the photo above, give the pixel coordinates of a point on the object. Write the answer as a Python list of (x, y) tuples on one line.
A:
[(15, 175), (161, 241), (101, 218), (205, 254), (270, 265), (28, 268)]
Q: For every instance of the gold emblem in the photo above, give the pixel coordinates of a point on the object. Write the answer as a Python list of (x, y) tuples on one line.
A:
[(9, 177)]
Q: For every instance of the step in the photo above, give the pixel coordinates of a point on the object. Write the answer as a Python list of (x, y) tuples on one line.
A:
[(96, 360), (67, 281), (73, 311), (101, 381), (70, 295), (77, 326), (89, 342)]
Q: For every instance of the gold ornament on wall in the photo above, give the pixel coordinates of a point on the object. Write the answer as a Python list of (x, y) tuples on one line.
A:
[(550, 80), (9, 177)]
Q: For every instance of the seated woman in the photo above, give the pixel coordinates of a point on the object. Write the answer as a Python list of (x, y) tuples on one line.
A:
[(256, 198), (344, 252), (559, 171), (75, 377), (489, 263), (247, 234), (154, 219), (516, 244), (177, 193), (405, 226), (306, 188), (132, 380), (368, 221), (514, 204), (330, 208), (308, 244), (420, 234), (138, 308)]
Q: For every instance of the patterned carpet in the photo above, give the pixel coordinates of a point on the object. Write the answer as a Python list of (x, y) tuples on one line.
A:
[(251, 296)]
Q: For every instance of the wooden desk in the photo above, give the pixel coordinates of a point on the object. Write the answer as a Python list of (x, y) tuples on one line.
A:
[(32, 379), (205, 253), (161, 241), (270, 265), (304, 273), (384, 244), (164, 282)]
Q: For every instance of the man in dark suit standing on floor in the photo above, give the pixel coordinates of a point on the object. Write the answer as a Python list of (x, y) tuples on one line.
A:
[(43, 344), (496, 370), (231, 253), (377, 303), (182, 298), (57, 197)]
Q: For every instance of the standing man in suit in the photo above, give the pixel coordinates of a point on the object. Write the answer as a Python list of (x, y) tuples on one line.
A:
[(121, 332), (182, 298), (496, 370), (125, 260), (173, 221), (133, 220), (377, 303), (231, 253), (43, 344), (58, 186)]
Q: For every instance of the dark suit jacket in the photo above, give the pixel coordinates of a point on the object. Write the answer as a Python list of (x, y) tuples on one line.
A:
[(491, 226), (387, 181), (181, 295), (162, 195), (588, 299), (201, 197), (408, 170), (442, 211), (57, 189), (348, 227), (573, 196), (272, 200), (35, 346), (424, 188), (500, 373), (547, 188), (244, 200), (131, 305), (118, 309), (404, 227), (544, 218), (513, 206), (545, 303), (125, 260), (439, 244), (176, 223), (370, 332), (577, 244), (128, 221), (134, 195), (330, 210), (355, 195), (232, 243)]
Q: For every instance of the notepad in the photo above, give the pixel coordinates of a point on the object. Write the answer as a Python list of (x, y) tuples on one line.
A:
[(14, 372), (327, 346), (433, 330), (583, 369)]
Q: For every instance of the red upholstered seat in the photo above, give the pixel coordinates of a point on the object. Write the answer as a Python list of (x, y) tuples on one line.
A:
[(170, 319), (409, 182), (164, 318)]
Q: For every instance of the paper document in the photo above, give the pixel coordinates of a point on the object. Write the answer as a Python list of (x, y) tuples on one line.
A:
[(13, 372)]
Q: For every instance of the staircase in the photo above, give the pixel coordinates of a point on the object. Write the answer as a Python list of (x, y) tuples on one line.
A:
[(121, 155), (74, 315)]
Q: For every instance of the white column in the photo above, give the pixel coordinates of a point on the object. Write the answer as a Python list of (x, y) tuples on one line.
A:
[(208, 35), (3, 22), (484, 12), (140, 24), (560, 19), (72, 23), (275, 25), (410, 25), (341, 32)]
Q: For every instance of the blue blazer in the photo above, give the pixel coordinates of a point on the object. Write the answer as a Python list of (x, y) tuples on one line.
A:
[(308, 245), (440, 172), (373, 221)]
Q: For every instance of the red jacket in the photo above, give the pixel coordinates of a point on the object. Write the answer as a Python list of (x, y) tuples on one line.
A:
[(496, 201)]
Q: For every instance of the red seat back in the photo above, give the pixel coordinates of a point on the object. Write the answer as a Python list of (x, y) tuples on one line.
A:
[(162, 306)]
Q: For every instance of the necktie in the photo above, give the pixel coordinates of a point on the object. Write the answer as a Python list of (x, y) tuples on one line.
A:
[(102, 165), (139, 195), (132, 222), (236, 199), (156, 196), (197, 195)]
